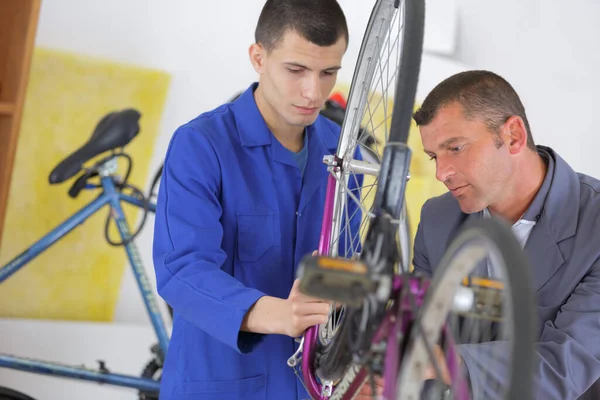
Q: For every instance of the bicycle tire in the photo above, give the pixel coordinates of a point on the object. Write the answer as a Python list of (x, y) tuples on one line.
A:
[(333, 360), (10, 394), (498, 236)]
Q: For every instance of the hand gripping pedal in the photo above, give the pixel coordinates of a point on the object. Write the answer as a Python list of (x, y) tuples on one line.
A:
[(338, 279)]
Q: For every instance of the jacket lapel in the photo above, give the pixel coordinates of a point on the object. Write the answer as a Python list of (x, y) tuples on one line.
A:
[(543, 253), (557, 222)]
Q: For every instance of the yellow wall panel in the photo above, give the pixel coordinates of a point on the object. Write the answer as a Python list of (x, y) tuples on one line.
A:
[(80, 276)]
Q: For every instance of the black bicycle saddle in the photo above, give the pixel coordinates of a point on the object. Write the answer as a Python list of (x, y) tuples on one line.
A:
[(114, 130)]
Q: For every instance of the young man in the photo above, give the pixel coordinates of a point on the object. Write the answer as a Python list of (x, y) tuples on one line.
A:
[(474, 127), (240, 203)]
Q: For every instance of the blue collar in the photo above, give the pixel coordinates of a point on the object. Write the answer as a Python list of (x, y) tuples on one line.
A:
[(251, 125), (253, 130)]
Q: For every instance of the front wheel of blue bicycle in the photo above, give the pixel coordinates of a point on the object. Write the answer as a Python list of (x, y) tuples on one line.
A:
[(10, 394)]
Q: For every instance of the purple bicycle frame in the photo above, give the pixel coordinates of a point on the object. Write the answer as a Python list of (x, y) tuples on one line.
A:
[(397, 323)]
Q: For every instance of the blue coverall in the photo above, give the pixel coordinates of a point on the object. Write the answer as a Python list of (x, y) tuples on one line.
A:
[(234, 217)]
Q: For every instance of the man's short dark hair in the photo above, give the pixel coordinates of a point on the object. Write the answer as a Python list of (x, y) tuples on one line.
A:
[(482, 94), (321, 22)]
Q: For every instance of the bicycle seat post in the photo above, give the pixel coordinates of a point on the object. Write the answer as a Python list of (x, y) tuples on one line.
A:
[(108, 168)]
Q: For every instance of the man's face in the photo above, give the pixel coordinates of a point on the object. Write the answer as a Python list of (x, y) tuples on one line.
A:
[(297, 77), (470, 159)]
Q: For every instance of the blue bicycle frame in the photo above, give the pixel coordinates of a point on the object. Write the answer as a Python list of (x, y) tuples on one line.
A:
[(113, 198)]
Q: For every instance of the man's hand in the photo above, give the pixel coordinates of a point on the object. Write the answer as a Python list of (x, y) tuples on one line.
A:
[(441, 363), (291, 316), (366, 391), (303, 311)]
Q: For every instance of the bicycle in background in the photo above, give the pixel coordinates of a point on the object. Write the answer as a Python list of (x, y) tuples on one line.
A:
[(110, 137)]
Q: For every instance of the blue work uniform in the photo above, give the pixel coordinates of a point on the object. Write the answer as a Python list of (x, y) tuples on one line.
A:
[(234, 217)]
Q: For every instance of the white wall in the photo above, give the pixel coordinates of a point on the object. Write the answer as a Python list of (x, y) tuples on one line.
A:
[(550, 52)]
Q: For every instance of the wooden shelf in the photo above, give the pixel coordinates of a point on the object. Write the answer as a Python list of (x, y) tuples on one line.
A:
[(6, 108), (18, 25)]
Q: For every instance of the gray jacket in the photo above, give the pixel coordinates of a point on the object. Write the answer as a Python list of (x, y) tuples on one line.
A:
[(564, 252)]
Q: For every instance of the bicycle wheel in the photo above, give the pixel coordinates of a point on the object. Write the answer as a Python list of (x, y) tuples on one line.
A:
[(9, 394), (500, 313), (381, 99)]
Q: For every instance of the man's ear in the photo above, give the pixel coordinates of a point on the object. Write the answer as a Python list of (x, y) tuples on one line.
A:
[(257, 55), (517, 133)]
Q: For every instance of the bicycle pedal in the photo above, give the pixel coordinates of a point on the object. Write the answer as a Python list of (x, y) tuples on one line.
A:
[(338, 279), (485, 298), (475, 281)]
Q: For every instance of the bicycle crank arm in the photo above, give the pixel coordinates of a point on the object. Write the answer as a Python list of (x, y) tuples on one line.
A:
[(341, 280)]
